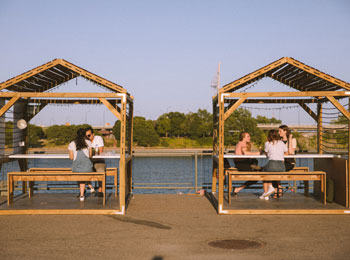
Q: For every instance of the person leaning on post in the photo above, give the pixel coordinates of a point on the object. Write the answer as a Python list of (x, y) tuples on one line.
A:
[(97, 146)]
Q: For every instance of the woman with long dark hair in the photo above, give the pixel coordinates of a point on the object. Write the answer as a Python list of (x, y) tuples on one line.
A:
[(291, 143), (275, 150), (80, 152)]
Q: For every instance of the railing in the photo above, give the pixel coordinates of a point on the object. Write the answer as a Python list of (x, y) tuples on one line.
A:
[(195, 154)]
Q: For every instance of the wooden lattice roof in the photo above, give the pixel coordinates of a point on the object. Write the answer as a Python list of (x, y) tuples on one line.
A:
[(292, 73), (52, 74)]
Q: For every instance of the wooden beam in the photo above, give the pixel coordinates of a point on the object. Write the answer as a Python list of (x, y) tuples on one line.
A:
[(289, 94), (286, 212), (91, 76), (111, 108), (28, 74), (123, 182), (308, 110), (8, 105), (318, 73), (221, 136), (348, 164), (234, 107), (231, 86), (60, 95), (61, 212), (339, 106), (319, 129)]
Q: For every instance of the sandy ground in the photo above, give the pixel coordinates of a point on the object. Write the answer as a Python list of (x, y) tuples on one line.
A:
[(173, 227)]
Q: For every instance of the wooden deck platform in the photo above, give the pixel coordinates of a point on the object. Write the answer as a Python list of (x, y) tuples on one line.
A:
[(59, 203), (290, 203)]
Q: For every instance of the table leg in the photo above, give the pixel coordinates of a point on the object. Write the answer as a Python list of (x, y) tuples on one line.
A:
[(306, 188), (24, 187), (229, 188), (31, 189)]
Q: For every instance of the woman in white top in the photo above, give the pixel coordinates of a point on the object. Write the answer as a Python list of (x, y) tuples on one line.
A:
[(287, 138), (275, 150), (80, 153)]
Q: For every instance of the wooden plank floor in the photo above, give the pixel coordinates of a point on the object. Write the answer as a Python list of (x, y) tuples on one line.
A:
[(62, 201), (290, 200)]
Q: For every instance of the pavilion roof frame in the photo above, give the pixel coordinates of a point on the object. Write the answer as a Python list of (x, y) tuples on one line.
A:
[(31, 89), (52, 74), (312, 85)]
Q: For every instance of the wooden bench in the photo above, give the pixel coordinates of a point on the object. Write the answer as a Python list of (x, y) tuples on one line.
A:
[(294, 175), (52, 175), (109, 172)]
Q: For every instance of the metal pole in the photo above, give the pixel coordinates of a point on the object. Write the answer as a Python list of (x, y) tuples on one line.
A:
[(195, 171)]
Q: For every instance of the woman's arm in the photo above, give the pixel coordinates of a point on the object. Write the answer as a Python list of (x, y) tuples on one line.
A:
[(90, 152), (291, 147), (71, 155), (245, 152)]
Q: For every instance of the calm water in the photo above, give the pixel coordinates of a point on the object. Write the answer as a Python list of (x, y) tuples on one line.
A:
[(151, 174)]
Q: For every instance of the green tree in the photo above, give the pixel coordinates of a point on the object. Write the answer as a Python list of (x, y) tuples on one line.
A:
[(163, 125), (144, 132), (264, 120), (193, 126), (241, 120), (206, 122), (35, 134), (177, 123), (62, 134)]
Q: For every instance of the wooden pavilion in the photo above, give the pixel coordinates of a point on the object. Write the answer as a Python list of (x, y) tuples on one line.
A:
[(311, 86), (29, 93)]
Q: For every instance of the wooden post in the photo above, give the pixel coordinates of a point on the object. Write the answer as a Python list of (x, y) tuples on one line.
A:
[(122, 167), (2, 130), (221, 101), (348, 166), (215, 143), (131, 132), (319, 129)]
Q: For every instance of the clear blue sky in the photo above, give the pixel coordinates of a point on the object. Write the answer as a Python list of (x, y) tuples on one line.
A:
[(165, 53)]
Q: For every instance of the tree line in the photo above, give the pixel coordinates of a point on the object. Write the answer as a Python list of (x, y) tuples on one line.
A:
[(196, 126)]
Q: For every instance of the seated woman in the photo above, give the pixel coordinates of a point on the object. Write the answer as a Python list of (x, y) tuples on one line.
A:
[(291, 143), (275, 150), (80, 153), (243, 148)]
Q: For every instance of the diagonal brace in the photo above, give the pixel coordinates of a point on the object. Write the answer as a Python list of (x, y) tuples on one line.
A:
[(8, 105), (308, 110), (111, 108), (234, 107)]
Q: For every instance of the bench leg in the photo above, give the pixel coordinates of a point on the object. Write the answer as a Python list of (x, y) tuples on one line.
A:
[(9, 189), (324, 190), (104, 190), (31, 189), (116, 183), (213, 188), (306, 188)]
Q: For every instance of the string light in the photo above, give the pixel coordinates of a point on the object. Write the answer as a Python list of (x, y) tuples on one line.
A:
[(271, 108)]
